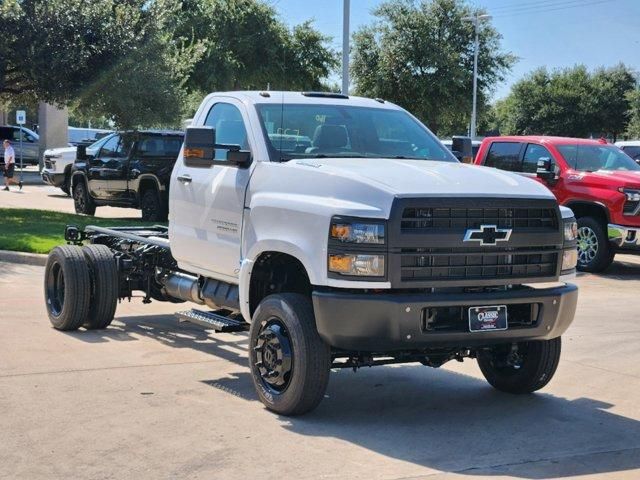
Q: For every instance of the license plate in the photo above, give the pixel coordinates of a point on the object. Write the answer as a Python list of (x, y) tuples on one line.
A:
[(487, 319)]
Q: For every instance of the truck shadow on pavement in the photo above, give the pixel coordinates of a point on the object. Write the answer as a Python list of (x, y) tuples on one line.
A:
[(438, 419)]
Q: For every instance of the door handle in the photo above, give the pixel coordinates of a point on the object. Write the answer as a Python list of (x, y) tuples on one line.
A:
[(184, 179)]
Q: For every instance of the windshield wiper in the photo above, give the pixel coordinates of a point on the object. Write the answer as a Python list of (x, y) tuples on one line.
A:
[(324, 155)]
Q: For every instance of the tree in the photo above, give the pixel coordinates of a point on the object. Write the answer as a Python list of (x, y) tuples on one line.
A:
[(111, 56), (420, 55), (569, 102), (248, 47), (633, 128)]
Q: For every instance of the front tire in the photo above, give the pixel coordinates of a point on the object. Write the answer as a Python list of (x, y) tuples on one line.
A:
[(289, 362), (82, 201), (594, 251), (152, 208), (527, 369), (66, 185), (67, 287), (104, 286)]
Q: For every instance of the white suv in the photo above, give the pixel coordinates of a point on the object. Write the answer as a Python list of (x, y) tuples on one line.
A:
[(631, 148), (58, 163)]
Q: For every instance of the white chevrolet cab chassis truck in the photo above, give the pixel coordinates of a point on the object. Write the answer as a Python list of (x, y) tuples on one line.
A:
[(340, 233)]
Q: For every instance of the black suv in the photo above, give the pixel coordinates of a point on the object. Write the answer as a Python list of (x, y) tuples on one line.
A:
[(132, 169)]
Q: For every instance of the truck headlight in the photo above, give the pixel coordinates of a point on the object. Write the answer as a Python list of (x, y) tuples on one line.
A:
[(357, 264), (633, 195), (570, 230), (357, 232)]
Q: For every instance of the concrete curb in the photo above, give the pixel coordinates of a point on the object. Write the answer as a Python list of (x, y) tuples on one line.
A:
[(37, 259)]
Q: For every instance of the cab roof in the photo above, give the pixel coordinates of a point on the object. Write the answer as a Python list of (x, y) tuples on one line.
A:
[(327, 98), (545, 139)]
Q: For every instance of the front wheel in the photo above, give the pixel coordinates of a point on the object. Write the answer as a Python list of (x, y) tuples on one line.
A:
[(153, 210), (289, 362), (594, 251), (82, 201), (522, 367)]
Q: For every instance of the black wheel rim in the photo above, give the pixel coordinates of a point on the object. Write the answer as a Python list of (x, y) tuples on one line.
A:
[(149, 209), (506, 361), (274, 356), (55, 289), (79, 198)]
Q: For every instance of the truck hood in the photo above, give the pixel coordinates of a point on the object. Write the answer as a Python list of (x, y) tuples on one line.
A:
[(610, 178), (60, 151), (429, 178)]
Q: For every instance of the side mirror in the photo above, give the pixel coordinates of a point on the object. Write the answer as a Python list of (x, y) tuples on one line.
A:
[(462, 148), (546, 169), (241, 158), (81, 153), (199, 146)]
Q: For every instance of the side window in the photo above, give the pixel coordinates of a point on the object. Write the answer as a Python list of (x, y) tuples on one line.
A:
[(124, 147), (632, 151), (532, 155), (229, 126), (505, 156), (110, 148), (160, 146)]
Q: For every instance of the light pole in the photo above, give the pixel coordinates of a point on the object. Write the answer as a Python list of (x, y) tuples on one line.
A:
[(476, 48), (345, 47)]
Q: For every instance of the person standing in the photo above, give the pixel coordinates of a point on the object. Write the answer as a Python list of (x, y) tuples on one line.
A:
[(9, 165)]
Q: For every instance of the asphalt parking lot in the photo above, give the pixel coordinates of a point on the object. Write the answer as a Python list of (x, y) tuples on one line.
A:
[(45, 197), (151, 398)]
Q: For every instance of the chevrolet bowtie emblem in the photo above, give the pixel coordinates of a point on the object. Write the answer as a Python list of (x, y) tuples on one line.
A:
[(487, 235)]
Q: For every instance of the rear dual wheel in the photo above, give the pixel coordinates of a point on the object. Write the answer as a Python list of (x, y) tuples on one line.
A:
[(81, 287)]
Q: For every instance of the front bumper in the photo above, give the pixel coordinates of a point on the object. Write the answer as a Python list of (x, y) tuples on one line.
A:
[(385, 322), (54, 179), (624, 237)]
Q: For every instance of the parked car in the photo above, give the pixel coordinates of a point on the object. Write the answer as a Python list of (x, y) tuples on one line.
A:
[(59, 161), (130, 169), (599, 182), (30, 148), (631, 148), (86, 136)]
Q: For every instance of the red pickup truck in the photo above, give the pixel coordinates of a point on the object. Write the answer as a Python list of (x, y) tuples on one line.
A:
[(599, 182)]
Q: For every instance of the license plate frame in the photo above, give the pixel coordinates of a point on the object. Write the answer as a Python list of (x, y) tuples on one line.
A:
[(488, 318)]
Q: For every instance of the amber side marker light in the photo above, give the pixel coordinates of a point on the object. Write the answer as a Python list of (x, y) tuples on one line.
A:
[(194, 152)]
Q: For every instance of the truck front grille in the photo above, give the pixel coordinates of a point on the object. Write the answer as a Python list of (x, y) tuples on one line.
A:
[(435, 242), (425, 219), (461, 264)]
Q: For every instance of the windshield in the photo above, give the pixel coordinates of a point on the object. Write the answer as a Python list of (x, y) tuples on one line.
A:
[(591, 158), (317, 131)]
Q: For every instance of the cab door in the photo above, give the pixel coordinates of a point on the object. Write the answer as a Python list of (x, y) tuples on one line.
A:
[(100, 168), (534, 153), (207, 202), (117, 170)]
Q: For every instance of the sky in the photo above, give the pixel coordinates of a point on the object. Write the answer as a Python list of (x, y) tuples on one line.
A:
[(551, 33)]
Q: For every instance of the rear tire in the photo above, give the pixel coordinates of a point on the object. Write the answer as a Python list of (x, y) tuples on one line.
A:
[(535, 368), (104, 286), (594, 251), (82, 201), (152, 208), (289, 362), (67, 287)]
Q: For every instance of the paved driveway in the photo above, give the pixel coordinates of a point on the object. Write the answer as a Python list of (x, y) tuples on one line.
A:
[(151, 399), (45, 197)]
